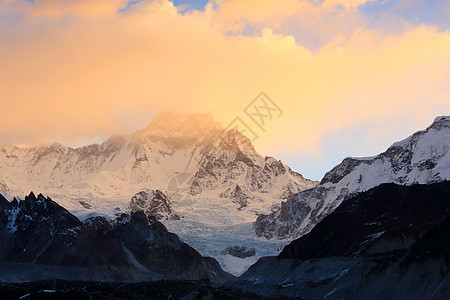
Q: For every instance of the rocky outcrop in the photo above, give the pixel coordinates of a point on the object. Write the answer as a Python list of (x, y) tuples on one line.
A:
[(153, 203), (231, 160), (237, 195), (42, 240), (422, 158), (239, 251)]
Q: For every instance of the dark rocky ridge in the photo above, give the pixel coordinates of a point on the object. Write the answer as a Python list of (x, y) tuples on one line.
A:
[(389, 242), (239, 251), (41, 240), (395, 215)]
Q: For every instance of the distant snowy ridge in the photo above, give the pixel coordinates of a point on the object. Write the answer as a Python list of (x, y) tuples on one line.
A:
[(422, 158)]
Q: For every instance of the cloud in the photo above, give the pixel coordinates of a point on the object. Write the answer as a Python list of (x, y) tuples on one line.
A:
[(92, 72), (346, 4), (235, 15), (415, 12), (58, 8)]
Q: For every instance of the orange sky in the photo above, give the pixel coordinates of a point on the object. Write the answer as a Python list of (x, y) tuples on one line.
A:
[(76, 71)]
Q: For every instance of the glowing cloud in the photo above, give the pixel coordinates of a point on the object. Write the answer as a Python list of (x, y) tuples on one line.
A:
[(347, 4), (72, 69)]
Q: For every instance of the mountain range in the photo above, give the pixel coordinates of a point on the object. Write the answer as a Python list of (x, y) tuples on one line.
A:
[(186, 155), (206, 183), (372, 227), (421, 158)]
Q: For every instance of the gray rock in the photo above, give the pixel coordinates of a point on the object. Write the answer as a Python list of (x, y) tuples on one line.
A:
[(153, 203), (239, 251)]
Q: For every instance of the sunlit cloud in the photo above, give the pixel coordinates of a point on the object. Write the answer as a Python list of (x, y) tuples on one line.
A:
[(78, 71), (346, 4)]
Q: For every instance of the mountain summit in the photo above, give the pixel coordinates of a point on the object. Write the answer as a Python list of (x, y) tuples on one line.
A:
[(194, 149), (179, 129), (422, 158)]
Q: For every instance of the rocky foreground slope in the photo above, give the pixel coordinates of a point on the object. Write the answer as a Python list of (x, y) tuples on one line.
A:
[(391, 242), (422, 158), (41, 240)]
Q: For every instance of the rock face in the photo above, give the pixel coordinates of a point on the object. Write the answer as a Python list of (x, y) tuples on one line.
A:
[(239, 251), (41, 240), (186, 155), (422, 158), (153, 203), (389, 242), (237, 195)]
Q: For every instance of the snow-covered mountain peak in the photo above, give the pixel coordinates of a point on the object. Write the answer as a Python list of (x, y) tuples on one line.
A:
[(411, 160), (440, 118), (439, 125), (117, 141), (235, 140), (177, 129), (422, 158), (195, 150)]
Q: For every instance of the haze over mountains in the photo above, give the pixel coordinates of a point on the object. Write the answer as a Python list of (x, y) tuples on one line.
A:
[(211, 178), (183, 154)]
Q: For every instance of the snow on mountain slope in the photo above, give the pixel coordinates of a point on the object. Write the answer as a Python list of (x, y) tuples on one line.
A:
[(191, 158), (422, 158), (193, 150), (210, 224)]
